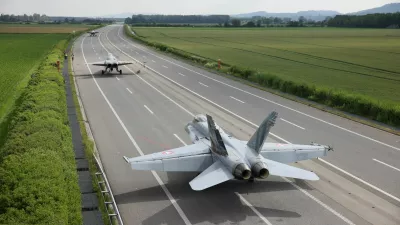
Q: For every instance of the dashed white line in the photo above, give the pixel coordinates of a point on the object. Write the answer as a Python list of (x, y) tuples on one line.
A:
[(128, 89), (160, 182), (137, 53), (148, 109), (387, 165), (254, 209), (177, 137), (117, 78), (153, 61), (203, 84), (165, 66), (99, 57), (182, 74), (237, 99), (292, 124)]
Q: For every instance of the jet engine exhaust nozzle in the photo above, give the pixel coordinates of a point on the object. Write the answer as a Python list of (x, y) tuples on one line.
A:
[(260, 171), (242, 171)]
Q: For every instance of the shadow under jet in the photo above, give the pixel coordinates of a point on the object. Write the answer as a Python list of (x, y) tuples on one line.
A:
[(217, 205)]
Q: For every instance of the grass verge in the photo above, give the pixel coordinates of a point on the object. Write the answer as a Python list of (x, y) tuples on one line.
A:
[(89, 153), (342, 103), (38, 175)]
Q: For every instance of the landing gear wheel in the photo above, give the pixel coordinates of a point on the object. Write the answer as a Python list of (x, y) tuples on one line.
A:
[(120, 71), (102, 71)]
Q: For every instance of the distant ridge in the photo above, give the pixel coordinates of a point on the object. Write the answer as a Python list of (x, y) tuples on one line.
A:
[(388, 8)]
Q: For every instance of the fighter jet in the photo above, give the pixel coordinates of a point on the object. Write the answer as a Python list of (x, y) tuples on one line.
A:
[(218, 156), (92, 33), (110, 63)]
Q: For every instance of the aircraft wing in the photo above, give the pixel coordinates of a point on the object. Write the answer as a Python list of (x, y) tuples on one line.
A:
[(215, 174), (283, 170), (190, 158), (101, 63), (124, 63)]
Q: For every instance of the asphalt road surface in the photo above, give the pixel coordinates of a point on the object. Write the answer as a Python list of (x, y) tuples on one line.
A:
[(141, 113)]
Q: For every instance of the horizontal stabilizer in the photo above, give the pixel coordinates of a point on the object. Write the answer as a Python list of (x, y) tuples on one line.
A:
[(215, 174), (283, 170)]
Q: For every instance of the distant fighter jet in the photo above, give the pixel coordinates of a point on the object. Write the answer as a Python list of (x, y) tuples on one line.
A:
[(220, 157), (110, 63), (92, 33)]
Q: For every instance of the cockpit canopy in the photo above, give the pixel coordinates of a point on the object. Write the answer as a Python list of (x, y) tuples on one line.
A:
[(200, 118)]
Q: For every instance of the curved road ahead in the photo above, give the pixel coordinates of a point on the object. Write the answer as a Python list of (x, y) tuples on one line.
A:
[(133, 114)]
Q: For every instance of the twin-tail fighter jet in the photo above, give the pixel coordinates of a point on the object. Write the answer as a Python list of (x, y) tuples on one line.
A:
[(92, 33), (219, 157), (110, 63)]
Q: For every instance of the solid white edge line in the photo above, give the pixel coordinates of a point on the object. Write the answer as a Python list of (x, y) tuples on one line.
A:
[(160, 182), (237, 99), (297, 187), (177, 137), (322, 160), (360, 180), (292, 124), (148, 109), (387, 165), (129, 90), (203, 84), (294, 110)]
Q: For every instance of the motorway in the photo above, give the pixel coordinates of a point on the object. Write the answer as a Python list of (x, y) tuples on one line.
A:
[(134, 114)]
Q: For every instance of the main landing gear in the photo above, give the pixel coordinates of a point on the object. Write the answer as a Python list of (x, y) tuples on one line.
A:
[(103, 71)]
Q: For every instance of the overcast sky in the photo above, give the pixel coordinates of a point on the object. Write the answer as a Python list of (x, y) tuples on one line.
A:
[(107, 7)]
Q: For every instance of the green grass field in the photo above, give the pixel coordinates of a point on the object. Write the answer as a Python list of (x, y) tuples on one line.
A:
[(362, 61), (19, 53)]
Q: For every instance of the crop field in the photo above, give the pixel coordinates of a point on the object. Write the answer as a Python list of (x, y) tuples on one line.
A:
[(42, 28), (18, 55), (360, 61)]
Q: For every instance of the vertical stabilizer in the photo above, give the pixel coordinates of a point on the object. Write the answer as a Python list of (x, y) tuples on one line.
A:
[(257, 140), (217, 144)]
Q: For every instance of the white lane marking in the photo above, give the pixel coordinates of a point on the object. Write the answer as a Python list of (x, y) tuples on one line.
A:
[(387, 165), (99, 57), (236, 99), (200, 96), (177, 137), (148, 109), (294, 110), (322, 160), (359, 179), (203, 84), (182, 74), (153, 61), (117, 78), (129, 90), (254, 209), (94, 50), (160, 182), (165, 66), (292, 124), (183, 108), (137, 53), (297, 187), (97, 53)]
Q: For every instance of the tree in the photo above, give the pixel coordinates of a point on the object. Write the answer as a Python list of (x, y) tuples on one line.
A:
[(259, 23), (236, 22), (302, 19), (250, 24)]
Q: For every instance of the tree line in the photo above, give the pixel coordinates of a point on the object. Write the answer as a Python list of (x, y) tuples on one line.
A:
[(23, 18), (166, 19), (378, 20)]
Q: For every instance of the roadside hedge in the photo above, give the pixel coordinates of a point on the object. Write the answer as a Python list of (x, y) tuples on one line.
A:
[(348, 102), (38, 178)]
